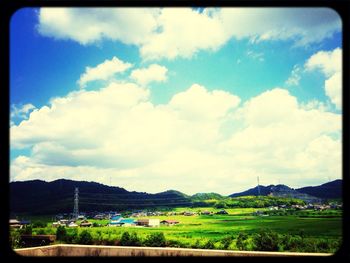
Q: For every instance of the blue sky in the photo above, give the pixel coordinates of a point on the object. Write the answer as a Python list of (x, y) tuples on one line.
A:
[(215, 97)]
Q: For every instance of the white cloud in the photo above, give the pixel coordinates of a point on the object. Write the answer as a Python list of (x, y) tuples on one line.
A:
[(182, 32), (294, 77), (199, 141), (20, 112), (90, 25), (256, 55), (330, 64), (153, 73), (103, 71)]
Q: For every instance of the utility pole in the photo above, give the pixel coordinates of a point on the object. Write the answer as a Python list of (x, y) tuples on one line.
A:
[(258, 187), (76, 204)]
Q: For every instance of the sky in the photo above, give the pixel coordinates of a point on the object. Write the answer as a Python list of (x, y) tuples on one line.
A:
[(195, 100)]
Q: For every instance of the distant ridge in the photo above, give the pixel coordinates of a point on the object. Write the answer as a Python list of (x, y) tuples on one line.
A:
[(324, 191), (40, 197), (328, 190), (57, 196)]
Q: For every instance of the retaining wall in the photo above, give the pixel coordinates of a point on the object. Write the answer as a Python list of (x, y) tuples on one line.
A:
[(86, 250)]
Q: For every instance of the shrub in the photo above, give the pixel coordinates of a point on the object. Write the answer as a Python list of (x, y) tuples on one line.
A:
[(85, 238), (15, 238), (266, 240), (209, 245), (135, 240), (241, 241), (39, 224), (155, 240), (28, 230), (226, 242), (72, 236), (125, 239), (61, 233)]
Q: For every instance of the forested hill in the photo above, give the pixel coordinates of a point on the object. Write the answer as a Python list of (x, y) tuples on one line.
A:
[(328, 190), (331, 190), (42, 197)]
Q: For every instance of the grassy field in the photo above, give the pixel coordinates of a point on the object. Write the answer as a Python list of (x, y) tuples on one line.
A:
[(201, 228)]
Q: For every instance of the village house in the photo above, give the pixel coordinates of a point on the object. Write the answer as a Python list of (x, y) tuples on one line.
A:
[(85, 223), (149, 222), (14, 223), (206, 212), (169, 222), (222, 212)]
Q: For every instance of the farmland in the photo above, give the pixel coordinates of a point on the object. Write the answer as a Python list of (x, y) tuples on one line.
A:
[(223, 231)]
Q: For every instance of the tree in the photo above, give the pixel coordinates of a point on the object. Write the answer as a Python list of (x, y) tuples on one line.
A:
[(61, 233), (241, 241), (125, 239), (209, 245), (266, 240), (85, 237), (155, 240)]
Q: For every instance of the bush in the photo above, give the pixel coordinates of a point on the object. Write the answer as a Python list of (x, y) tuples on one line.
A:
[(155, 240), (209, 245), (241, 241), (85, 238), (125, 239), (39, 224), (27, 230), (72, 236), (266, 240), (61, 233), (15, 239), (135, 240), (226, 242)]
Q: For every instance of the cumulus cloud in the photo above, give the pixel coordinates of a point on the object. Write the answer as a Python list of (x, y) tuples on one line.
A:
[(20, 112), (330, 64), (182, 32), (201, 140), (295, 76), (153, 73), (103, 71), (91, 25)]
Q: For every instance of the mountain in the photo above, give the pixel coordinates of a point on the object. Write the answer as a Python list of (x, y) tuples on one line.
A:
[(328, 190), (310, 193), (40, 197), (206, 196)]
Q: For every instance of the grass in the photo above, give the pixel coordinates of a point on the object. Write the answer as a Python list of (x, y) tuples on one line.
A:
[(219, 226)]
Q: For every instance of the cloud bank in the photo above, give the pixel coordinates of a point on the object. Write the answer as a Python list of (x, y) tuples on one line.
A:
[(201, 140), (182, 32)]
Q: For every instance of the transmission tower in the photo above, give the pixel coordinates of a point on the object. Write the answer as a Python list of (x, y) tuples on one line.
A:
[(258, 187), (76, 204)]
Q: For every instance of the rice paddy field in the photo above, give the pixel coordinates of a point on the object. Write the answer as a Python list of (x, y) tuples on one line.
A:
[(309, 225)]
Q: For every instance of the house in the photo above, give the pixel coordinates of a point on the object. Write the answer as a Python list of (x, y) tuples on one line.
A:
[(150, 222), (206, 212), (222, 212), (169, 222), (14, 223), (85, 223), (258, 213), (99, 216), (81, 217), (126, 222), (63, 222), (188, 213), (56, 224), (72, 224)]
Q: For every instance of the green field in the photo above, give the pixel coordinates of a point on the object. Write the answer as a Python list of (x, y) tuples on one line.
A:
[(322, 228)]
